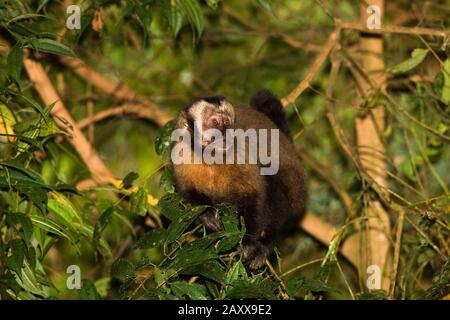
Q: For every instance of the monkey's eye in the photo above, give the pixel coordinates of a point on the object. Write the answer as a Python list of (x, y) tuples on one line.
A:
[(215, 122), (226, 122)]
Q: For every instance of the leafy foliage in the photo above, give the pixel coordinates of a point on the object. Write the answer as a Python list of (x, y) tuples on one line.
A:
[(138, 238)]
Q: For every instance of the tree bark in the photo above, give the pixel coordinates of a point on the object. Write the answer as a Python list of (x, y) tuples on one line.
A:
[(374, 231)]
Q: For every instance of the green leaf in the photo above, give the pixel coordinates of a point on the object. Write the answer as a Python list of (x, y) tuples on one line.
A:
[(237, 271), (172, 206), (256, 288), (266, 4), (187, 258), (166, 181), (138, 202), (16, 258), (127, 182), (213, 3), (192, 10), (417, 56), (151, 239), (229, 217), (445, 96), (88, 291), (51, 46), (15, 219), (122, 269), (173, 16), (26, 182), (162, 141), (192, 290), (178, 226), (48, 225), (15, 62), (212, 269), (299, 283), (63, 209)]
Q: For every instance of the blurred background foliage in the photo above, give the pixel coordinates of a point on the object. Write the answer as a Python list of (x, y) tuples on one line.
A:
[(170, 52)]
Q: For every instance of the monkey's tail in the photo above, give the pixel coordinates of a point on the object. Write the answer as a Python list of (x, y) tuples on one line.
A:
[(266, 102)]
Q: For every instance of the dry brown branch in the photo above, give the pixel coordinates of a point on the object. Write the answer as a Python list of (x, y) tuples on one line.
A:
[(331, 42), (139, 110), (99, 171), (395, 29), (120, 91)]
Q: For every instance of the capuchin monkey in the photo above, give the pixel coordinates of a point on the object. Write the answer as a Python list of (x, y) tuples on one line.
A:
[(266, 200)]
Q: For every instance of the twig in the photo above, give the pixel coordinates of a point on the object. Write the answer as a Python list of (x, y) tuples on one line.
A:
[(398, 242), (99, 171), (395, 29), (329, 45), (120, 91), (139, 110)]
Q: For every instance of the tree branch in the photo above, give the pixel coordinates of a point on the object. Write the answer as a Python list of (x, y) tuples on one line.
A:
[(298, 90), (120, 91)]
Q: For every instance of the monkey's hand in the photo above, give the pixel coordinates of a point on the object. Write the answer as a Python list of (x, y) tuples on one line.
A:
[(254, 253), (211, 221)]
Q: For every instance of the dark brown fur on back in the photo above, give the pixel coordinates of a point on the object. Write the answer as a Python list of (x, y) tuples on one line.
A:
[(265, 201)]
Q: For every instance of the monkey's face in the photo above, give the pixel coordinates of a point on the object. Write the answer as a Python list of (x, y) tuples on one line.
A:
[(208, 119)]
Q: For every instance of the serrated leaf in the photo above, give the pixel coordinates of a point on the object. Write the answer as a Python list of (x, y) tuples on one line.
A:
[(417, 56), (212, 269), (122, 269), (256, 288), (172, 206), (237, 271), (162, 141), (166, 181), (15, 62), (138, 202), (151, 239), (88, 291), (300, 283), (182, 222), (192, 290)]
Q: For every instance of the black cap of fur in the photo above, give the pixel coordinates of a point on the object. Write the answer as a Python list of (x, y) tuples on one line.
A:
[(214, 100)]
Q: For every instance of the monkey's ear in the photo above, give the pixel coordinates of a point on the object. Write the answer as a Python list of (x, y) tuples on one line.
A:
[(182, 121)]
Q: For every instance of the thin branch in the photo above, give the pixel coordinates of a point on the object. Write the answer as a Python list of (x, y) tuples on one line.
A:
[(120, 91), (41, 82), (395, 29), (139, 110), (398, 242), (304, 84)]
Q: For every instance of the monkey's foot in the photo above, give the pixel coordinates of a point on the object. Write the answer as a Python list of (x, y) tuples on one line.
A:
[(211, 221), (254, 255)]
